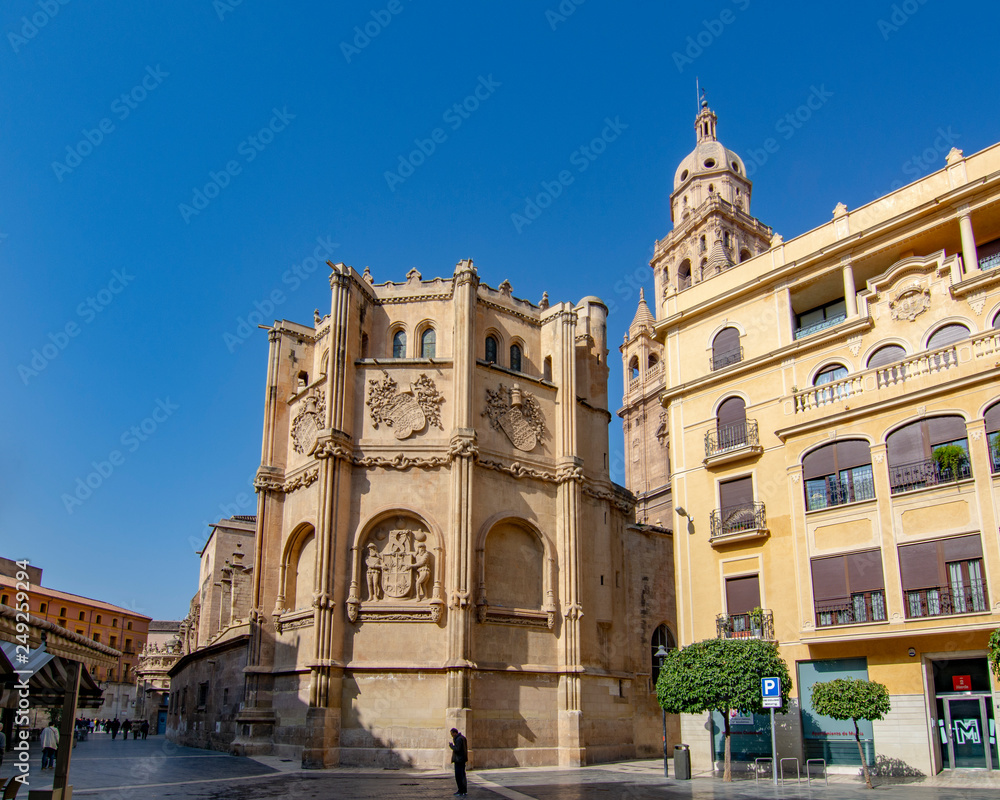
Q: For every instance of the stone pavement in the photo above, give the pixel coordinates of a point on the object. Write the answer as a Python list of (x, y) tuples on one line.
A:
[(155, 769)]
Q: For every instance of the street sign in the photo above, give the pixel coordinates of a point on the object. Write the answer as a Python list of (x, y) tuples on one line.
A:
[(770, 692)]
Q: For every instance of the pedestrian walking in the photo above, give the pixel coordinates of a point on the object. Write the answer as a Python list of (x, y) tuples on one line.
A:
[(144, 728), (115, 725), (459, 755), (126, 727), (50, 743), (3, 746)]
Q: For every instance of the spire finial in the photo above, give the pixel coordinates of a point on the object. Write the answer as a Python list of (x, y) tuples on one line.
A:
[(642, 295)]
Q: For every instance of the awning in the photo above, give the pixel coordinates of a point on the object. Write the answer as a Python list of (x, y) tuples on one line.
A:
[(46, 676)]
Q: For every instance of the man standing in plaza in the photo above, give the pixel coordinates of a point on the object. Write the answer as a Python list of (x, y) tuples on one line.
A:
[(459, 755), (50, 743)]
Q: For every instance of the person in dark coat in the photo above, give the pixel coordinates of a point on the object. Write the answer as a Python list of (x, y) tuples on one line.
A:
[(459, 755), (115, 725), (126, 727), (144, 728)]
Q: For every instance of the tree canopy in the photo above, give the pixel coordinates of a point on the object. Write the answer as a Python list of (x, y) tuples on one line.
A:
[(853, 699)]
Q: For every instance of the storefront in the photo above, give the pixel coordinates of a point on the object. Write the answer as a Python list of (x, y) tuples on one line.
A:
[(966, 730)]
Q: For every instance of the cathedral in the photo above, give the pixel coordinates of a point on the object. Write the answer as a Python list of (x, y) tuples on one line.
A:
[(438, 540)]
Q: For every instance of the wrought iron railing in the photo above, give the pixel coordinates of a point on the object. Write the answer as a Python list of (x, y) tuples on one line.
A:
[(731, 437), (838, 492), (862, 607), (990, 262), (808, 330), (941, 601), (720, 360), (757, 624), (738, 519), (919, 474)]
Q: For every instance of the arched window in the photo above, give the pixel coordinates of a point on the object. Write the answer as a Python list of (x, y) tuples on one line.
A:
[(652, 361), (702, 244), (428, 343), (889, 354), (662, 637), (399, 344), (547, 369), (731, 424), (993, 435), (745, 255), (300, 570), (726, 348), (829, 374), (928, 452), (996, 321), (633, 368), (684, 274), (491, 350), (946, 335), (838, 473), (515, 357)]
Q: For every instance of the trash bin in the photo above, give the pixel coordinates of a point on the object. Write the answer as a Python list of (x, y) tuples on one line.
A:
[(682, 762)]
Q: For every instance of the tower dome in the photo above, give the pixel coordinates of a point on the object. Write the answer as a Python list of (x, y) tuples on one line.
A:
[(709, 156)]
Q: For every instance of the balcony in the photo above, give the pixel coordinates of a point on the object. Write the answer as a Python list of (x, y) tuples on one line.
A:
[(943, 601), (738, 523), (989, 262), (721, 360), (921, 474), (727, 443), (816, 327), (862, 607), (756, 624), (834, 491)]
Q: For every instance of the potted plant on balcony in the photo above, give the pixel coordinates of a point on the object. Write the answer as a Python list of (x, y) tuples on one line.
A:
[(756, 616), (950, 458)]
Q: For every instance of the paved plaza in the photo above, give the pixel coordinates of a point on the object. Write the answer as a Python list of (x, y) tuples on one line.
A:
[(155, 769)]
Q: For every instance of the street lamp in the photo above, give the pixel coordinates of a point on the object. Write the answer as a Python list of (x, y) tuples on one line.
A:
[(661, 653)]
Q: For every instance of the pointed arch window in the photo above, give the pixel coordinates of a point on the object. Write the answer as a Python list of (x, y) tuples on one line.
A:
[(515, 357), (428, 343), (491, 350), (399, 344)]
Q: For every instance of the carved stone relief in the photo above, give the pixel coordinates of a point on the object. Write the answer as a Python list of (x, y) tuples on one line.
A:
[(308, 423), (976, 302), (396, 578), (910, 301), (517, 414), (406, 412)]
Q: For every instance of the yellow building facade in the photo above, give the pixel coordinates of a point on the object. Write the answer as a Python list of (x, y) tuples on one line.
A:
[(830, 411)]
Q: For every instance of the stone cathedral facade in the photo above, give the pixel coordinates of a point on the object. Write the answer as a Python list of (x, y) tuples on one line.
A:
[(439, 542)]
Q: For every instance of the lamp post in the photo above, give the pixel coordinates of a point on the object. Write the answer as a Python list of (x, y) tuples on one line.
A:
[(661, 653)]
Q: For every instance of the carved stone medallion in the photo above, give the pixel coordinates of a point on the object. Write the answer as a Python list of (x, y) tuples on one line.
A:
[(517, 414), (396, 579), (405, 412), (308, 423), (910, 302)]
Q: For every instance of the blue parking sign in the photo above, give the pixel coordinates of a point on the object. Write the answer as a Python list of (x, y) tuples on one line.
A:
[(770, 692)]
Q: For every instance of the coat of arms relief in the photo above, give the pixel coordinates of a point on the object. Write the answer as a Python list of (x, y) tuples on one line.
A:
[(395, 579), (406, 412), (517, 414), (308, 423)]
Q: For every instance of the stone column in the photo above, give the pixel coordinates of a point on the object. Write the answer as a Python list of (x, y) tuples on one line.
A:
[(459, 552), (969, 255), (569, 474), (850, 292)]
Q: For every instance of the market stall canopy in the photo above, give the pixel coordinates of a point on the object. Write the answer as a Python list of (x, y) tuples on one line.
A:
[(47, 677)]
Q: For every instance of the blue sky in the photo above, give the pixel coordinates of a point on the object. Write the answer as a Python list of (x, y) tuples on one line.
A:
[(168, 166)]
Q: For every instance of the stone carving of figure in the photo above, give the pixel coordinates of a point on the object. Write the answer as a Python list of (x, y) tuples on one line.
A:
[(422, 564), (373, 561)]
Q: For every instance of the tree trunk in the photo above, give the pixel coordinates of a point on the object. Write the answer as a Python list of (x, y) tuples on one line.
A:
[(861, 752), (728, 774)]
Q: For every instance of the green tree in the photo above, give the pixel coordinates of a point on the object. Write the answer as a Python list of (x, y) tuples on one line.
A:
[(950, 459), (853, 699), (995, 652), (720, 675)]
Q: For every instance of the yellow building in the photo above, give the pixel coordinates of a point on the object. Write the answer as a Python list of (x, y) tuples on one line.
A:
[(832, 413)]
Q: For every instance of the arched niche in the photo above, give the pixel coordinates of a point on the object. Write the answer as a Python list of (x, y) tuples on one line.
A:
[(396, 570), (515, 570), (297, 573)]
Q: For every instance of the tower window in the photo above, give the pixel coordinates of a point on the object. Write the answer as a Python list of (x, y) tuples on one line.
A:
[(428, 343), (515, 357), (709, 162), (547, 368), (491, 350)]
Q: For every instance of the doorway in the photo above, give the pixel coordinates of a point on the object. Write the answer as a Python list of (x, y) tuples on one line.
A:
[(965, 720)]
